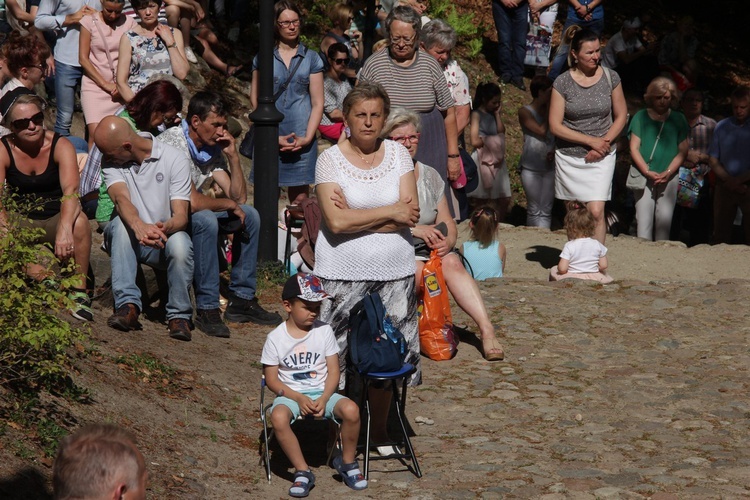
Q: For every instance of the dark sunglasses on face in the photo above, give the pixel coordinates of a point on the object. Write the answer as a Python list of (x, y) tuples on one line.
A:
[(342, 61), (23, 123)]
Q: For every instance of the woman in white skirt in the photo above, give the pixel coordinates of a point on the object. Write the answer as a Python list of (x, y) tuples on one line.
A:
[(587, 113)]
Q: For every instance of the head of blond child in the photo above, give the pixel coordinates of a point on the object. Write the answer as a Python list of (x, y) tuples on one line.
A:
[(483, 224), (579, 223), (302, 298)]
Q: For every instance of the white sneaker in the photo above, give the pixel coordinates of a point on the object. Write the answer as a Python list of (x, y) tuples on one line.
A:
[(190, 55)]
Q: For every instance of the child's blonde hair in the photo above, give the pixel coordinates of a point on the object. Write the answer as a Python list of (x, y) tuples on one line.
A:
[(579, 223), (484, 226)]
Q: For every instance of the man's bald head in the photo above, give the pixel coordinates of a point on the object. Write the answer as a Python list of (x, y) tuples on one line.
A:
[(112, 132), (116, 139)]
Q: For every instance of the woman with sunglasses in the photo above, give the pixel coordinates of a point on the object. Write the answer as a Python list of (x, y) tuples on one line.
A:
[(415, 81), (98, 52), (25, 58), (301, 101), (342, 16), (40, 167), (403, 126), (336, 87), (148, 49)]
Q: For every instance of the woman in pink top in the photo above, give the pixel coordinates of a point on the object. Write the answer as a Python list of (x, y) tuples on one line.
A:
[(98, 53)]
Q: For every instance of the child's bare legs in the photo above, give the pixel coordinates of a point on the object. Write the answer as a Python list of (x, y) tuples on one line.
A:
[(347, 412), (281, 418), (597, 210)]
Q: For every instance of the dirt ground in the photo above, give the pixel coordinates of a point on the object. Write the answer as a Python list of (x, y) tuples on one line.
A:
[(632, 390)]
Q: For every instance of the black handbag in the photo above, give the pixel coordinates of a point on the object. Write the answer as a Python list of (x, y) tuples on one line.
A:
[(247, 146)]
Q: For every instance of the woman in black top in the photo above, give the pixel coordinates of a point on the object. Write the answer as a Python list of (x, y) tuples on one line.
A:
[(41, 168)]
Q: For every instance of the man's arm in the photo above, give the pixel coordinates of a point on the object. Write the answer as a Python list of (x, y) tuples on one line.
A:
[(147, 234), (232, 183), (179, 219)]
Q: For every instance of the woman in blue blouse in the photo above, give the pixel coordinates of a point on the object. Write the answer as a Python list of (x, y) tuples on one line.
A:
[(301, 102)]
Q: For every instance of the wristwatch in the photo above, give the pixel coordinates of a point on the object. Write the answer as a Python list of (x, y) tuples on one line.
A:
[(174, 45)]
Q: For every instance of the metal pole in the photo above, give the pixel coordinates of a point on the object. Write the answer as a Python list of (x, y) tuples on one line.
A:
[(266, 157), (369, 34)]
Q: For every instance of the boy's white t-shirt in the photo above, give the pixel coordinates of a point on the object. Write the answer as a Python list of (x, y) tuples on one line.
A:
[(301, 362), (583, 255)]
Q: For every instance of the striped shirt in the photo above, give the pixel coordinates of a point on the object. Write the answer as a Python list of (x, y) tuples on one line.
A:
[(419, 87), (701, 133)]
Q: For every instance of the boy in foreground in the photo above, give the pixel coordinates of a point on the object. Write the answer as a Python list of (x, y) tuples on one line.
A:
[(301, 366)]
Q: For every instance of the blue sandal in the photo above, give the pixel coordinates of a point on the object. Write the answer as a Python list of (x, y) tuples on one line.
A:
[(304, 480), (350, 474)]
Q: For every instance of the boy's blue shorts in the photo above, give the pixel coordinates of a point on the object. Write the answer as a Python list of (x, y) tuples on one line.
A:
[(294, 407)]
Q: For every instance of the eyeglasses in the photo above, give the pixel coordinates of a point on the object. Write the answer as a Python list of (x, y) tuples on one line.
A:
[(404, 40), (378, 7), (346, 60), (23, 123), (42, 66), (289, 24), (403, 138)]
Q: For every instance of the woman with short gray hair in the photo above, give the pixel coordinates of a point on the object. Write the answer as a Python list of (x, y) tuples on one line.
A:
[(415, 81), (438, 39)]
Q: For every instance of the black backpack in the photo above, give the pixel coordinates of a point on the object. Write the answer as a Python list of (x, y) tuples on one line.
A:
[(375, 344)]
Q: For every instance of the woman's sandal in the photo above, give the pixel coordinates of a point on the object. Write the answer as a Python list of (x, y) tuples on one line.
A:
[(304, 480), (492, 344)]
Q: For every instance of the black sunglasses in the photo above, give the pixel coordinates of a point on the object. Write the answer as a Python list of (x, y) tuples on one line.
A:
[(23, 123), (342, 61)]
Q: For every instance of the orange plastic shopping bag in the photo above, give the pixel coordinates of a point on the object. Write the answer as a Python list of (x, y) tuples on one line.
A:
[(437, 340)]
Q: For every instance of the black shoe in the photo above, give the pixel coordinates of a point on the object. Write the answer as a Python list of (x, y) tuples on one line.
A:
[(179, 329), (518, 83), (209, 322), (241, 310), (125, 318), (505, 78), (82, 306)]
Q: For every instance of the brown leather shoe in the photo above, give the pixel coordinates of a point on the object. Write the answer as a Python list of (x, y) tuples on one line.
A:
[(179, 329), (125, 318)]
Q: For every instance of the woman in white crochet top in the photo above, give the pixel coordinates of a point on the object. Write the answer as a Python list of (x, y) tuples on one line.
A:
[(368, 198)]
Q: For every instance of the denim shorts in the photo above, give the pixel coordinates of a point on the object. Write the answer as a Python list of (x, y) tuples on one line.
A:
[(294, 407)]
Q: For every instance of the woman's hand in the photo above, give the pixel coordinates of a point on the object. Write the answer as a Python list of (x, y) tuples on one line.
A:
[(338, 199), (601, 145), (64, 243), (661, 178), (289, 142), (405, 212), (593, 157), (165, 34), (431, 236), (111, 89), (454, 168)]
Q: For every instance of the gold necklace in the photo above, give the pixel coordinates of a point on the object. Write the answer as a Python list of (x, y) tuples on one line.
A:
[(358, 153)]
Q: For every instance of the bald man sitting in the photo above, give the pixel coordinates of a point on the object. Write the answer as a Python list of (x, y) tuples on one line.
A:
[(99, 462), (149, 183)]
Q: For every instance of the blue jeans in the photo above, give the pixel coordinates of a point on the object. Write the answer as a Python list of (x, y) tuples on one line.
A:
[(176, 257), (512, 25), (561, 56), (204, 227), (66, 79)]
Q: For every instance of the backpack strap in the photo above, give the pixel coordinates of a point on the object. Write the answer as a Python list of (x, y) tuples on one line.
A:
[(608, 76)]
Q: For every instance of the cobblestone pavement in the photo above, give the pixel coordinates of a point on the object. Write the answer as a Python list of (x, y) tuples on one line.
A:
[(631, 390)]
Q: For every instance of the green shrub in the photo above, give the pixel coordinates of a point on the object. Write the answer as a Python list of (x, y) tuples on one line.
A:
[(33, 339), (474, 47)]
